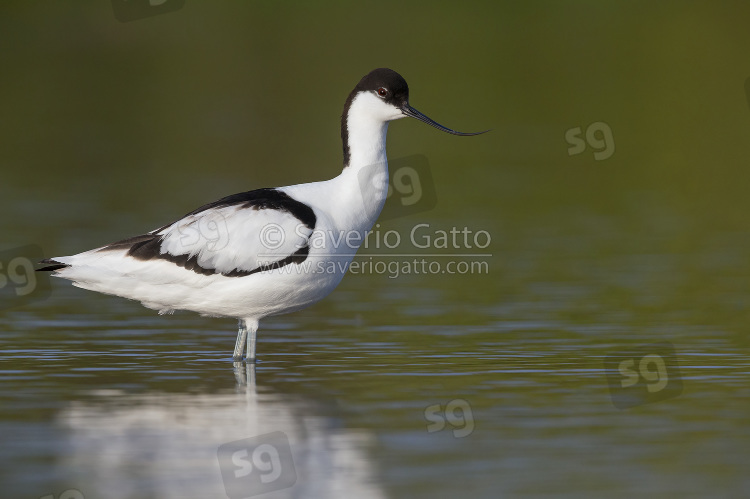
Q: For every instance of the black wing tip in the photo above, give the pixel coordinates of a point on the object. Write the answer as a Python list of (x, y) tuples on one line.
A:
[(51, 265)]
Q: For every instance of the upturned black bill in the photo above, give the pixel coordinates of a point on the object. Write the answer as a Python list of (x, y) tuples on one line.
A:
[(413, 113)]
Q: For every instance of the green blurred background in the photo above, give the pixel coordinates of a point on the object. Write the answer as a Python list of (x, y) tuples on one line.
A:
[(214, 97)]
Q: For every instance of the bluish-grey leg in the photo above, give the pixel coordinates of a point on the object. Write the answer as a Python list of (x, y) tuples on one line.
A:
[(251, 326), (239, 346)]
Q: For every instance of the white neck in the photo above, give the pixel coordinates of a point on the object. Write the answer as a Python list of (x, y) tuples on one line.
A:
[(361, 192), (364, 181), (355, 198), (366, 133)]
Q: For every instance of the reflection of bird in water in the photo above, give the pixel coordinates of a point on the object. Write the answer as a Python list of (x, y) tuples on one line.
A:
[(167, 445), (244, 374), (249, 255)]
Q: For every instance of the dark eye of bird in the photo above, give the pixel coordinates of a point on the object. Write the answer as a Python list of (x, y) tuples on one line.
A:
[(382, 92)]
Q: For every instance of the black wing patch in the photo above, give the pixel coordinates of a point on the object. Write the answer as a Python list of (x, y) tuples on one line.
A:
[(148, 246)]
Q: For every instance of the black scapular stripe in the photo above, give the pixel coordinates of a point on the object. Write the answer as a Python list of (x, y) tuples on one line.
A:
[(148, 246)]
